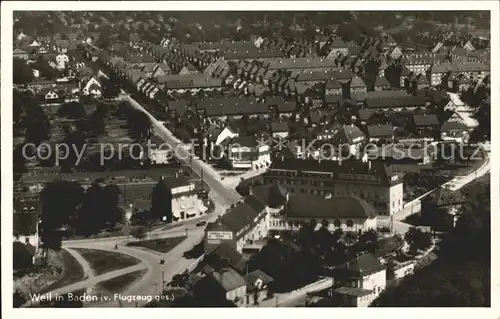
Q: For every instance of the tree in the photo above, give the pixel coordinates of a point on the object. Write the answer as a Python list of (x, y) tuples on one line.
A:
[(44, 68), (60, 200), (417, 239), (461, 275), (19, 162), (139, 125), (111, 88), (368, 241), (91, 217), (22, 72), (35, 121), (18, 299), (112, 195), (96, 122), (76, 142), (161, 202), (139, 232), (72, 110)]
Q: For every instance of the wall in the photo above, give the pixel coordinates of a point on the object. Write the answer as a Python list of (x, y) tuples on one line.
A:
[(404, 270), (395, 198), (375, 281)]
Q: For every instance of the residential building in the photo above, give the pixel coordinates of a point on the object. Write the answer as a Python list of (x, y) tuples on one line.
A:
[(359, 281), (357, 85), (223, 284), (158, 152), (381, 84), (378, 133), (279, 129), (402, 102), (183, 196), (248, 153), (419, 63), (244, 223), (20, 54), (257, 286), (473, 70), (371, 181), (454, 131), (192, 83), (62, 60), (25, 221), (425, 126)]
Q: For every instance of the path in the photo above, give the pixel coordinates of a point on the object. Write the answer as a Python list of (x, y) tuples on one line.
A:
[(88, 272)]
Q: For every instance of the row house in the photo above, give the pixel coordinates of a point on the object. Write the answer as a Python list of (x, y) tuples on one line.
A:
[(147, 87), (420, 63), (213, 47), (473, 70), (381, 84), (456, 82), (188, 83), (302, 64), (249, 55), (425, 126), (236, 111), (396, 104)]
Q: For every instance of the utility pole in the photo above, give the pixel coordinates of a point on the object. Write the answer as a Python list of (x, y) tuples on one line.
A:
[(277, 301), (162, 281)]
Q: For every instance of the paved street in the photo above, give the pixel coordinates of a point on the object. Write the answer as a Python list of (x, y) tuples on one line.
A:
[(222, 194)]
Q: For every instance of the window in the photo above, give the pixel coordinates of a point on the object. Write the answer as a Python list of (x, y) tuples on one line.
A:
[(336, 223), (325, 223), (349, 223)]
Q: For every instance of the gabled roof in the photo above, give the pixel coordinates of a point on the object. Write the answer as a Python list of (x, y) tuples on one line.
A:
[(381, 81), (365, 264), (357, 82), (228, 279), (347, 134), (277, 127), (453, 126), (425, 120), (251, 278), (333, 84), (272, 195), (380, 130)]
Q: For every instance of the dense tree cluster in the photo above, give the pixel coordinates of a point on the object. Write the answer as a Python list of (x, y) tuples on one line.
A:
[(30, 117), (67, 206), (23, 73), (460, 277), (299, 259)]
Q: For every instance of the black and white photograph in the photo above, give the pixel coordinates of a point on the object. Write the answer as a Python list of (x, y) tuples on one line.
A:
[(252, 158)]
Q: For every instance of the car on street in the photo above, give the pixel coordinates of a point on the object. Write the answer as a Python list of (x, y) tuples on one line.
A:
[(202, 223)]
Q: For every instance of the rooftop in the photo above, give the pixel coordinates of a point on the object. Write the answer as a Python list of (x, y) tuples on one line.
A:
[(315, 206)]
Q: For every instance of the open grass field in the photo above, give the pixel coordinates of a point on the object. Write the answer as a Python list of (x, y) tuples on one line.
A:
[(103, 261), (120, 283), (161, 245)]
